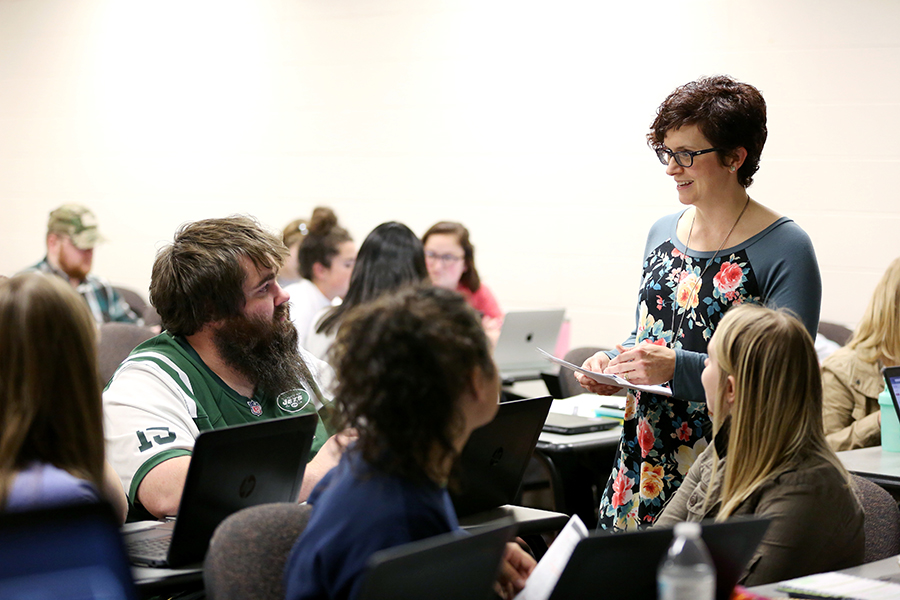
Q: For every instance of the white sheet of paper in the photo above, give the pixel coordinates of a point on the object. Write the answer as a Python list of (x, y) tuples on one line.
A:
[(608, 379), (543, 578), (840, 585)]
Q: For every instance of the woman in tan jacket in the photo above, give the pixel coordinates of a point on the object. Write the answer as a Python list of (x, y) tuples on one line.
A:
[(769, 457), (851, 377)]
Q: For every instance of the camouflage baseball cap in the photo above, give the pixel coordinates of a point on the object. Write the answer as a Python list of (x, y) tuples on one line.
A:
[(77, 222)]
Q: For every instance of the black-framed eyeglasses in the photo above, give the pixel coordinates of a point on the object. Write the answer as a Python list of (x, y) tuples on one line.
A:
[(683, 157)]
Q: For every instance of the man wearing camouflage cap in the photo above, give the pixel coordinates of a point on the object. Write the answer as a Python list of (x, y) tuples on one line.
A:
[(71, 237)]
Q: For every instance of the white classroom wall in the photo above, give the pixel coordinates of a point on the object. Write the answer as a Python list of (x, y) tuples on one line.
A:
[(524, 120)]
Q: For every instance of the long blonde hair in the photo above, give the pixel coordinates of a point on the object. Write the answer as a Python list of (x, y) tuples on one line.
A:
[(50, 408), (877, 337), (776, 418)]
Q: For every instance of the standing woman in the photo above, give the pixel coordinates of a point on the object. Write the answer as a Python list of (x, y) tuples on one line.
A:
[(326, 257), (390, 258), (852, 376), (51, 417), (723, 249), (450, 257)]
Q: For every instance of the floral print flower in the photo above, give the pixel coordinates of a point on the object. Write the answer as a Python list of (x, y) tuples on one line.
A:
[(683, 432), (651, 480), (687, 292), (622, 489), (646, 438), (728, 279), (630, 406)]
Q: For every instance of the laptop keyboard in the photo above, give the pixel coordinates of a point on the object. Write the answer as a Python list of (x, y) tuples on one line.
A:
[(151, 547)]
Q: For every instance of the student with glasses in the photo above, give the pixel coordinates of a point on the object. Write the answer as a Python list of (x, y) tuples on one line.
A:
[(450, 258), (722, 249)]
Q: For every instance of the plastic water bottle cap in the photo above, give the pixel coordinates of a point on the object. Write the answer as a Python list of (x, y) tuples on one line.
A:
[(688, 530)]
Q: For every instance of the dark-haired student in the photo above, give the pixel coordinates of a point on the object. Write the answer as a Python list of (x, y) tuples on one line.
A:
[(390, 257), (769, 457), (228, 356), (325, 258), (428, 382)]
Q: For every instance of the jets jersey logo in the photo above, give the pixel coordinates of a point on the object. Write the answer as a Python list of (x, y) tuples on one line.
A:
[(294, 400)]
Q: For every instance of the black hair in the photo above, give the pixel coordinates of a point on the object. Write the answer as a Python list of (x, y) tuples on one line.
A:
[(390, 257)]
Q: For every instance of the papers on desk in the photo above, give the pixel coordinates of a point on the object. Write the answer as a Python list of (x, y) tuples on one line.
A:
[(608, 379), (543, 578), (839, 585)]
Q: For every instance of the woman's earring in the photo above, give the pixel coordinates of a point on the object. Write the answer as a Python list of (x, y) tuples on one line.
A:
[(733, 168)]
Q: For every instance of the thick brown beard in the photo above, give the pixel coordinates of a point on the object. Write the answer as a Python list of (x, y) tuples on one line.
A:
[(263, 350)]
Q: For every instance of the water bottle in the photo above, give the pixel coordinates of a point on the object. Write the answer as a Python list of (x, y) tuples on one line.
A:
[(687, 571)]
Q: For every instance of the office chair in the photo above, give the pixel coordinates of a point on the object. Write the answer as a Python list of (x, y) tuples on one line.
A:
[(249, 549), (882, 519), (116, 342)]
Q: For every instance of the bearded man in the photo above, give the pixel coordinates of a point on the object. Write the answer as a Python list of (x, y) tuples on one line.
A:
[(71, 236), (228, 355)]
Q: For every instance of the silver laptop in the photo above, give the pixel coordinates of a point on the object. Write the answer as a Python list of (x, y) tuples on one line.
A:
[(230, 469), (523, 332)]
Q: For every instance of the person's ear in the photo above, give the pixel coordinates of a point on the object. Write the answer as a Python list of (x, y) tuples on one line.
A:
[(319, 271), (736, 159), (484, 388), (729, 391)]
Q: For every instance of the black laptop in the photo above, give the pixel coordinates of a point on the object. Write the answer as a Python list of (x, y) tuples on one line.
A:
[(230, 469), (450, 566), (575, 424), (494, 459), (66, 553), (599, 561)]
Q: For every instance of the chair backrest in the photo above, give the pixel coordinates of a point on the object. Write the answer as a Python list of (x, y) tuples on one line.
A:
[(835, 332), (138, 305), (249, 550), (568, 386), (116, 342), (134, 300), (882, 519)]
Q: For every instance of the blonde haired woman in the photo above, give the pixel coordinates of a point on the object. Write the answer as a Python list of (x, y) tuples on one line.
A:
[(51, 421), (852, 378), (769, 456)]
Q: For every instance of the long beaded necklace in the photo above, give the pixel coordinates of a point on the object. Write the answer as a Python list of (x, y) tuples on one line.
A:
[(687, 245)]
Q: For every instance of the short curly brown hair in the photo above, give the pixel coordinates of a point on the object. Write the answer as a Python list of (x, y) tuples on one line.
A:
[(199, 278), (730, 114), (402, 363)]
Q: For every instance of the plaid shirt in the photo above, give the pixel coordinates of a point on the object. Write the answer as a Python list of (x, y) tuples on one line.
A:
[(104, 301)]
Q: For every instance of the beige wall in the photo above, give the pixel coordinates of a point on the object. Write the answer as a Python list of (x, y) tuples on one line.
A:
[(524, 120)]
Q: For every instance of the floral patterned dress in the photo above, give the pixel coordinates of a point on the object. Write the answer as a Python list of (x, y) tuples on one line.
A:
[(682, 299)]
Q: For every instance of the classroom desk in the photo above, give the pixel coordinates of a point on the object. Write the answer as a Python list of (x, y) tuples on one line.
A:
[(154, 581), (577, 463), (886, 569), (530, 521), (875, 465)]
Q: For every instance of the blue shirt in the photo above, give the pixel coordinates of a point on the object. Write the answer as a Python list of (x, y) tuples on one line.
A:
[(43, 485), (357, 512)]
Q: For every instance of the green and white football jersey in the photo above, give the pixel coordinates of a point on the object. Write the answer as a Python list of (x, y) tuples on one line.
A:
[(163, 396)]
